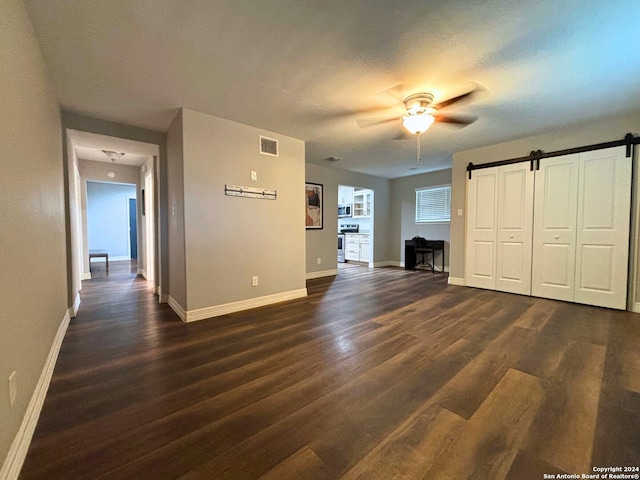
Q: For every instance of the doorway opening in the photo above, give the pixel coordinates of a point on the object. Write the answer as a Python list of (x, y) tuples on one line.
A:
[(355, 226), (89, 166), (133, 229), (112, 228)]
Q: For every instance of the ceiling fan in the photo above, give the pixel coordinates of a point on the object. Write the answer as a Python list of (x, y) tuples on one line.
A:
[(422, 113)]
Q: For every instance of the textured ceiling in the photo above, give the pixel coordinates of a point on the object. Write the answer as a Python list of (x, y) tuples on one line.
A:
[(299, 67)]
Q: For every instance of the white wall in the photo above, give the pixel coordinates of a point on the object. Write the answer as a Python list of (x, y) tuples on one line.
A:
[(588, 133), (228, 240), (33, 282), (148, 220), (403, 207), (108, 217), (175, 182)]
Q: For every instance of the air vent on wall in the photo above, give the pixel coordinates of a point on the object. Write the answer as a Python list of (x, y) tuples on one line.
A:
[(268, 146)]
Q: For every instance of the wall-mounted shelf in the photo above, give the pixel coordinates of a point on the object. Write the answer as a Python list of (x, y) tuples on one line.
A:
[(251, 192)]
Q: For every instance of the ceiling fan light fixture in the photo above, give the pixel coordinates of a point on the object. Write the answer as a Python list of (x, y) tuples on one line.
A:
[(113, 156), (418, 123)]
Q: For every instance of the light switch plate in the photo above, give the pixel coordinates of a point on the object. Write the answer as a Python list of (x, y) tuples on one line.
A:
[(254, 176)]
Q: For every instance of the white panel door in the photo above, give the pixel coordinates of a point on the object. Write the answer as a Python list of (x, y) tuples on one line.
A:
[(480, 255), (554, 228), (602, 246), (515, 228)]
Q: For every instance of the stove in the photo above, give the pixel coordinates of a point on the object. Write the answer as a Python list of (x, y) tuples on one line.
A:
[(349, 228)]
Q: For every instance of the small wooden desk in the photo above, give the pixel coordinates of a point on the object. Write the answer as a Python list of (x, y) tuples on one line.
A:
[(410, 254), (98, 253)]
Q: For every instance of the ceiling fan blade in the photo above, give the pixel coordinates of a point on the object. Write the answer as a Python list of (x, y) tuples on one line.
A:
[(453, 100), (395, 92), (455, 120), (367, 124)]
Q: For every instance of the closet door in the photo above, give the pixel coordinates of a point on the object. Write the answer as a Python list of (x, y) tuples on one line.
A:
[(480, 254), (604, 203), (554, 228), (515, 228)]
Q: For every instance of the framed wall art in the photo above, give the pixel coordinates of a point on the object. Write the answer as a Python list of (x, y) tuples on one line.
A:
[(313, 205)]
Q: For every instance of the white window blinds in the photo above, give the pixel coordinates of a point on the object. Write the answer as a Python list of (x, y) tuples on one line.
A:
[(433, 204)]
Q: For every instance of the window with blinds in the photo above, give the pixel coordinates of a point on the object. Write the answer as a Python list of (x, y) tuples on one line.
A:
[(433, 204)]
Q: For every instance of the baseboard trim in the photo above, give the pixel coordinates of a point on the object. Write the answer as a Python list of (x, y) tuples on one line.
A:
[(143, 272), (176, 307), (636, 307), (111, 259), (76, 306), (324, 273), (20, 446), (86, 276), (386, 263), (232, 307), (162, 297), (457, 281)]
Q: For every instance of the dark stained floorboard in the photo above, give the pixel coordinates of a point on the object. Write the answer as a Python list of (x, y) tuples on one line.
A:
[(381, 373)]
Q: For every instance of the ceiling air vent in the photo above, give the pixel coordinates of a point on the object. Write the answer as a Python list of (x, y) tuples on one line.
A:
[(268, 146)]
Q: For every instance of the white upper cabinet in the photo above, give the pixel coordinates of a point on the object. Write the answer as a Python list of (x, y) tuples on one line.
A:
[(361, 203)]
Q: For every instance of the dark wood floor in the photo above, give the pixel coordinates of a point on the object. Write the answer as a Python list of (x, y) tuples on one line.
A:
[(376, 374)]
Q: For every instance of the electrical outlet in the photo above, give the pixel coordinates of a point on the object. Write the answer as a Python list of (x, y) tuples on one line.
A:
[(13, 388), (319, 260), (254, 176), (459, 212), (254, 281)]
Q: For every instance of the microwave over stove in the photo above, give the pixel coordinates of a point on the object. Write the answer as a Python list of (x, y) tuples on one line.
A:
[(344, 210)]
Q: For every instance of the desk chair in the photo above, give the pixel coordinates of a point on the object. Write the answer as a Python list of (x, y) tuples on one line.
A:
[(424, 251)]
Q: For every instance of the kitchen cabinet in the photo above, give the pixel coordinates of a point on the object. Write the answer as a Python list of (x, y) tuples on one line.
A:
[(361, 203), (357, 247), (345, 195), (365, 248)]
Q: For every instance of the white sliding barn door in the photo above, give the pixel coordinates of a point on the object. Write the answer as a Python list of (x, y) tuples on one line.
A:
[(561, 232), (602, 243), (581, 228), (515, 228), (482, 225), (554, 227)]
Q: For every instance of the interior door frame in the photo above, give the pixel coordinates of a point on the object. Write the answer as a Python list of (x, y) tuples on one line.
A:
[(137, 225)]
